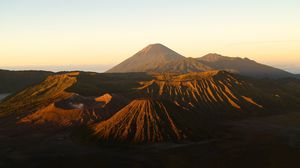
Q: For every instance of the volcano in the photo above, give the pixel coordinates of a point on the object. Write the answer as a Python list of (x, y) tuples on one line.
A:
[(146, 107), (157, 58), (148, 59), (243, 66), (144, 120), (157, 95)]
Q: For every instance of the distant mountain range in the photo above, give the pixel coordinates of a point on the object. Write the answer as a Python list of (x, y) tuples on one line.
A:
[(157, 95), (157, 58)]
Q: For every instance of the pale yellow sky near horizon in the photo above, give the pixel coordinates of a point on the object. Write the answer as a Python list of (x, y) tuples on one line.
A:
[(56, 33)]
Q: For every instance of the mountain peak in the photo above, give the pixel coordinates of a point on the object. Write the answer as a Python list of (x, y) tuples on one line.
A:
[(149, 58), (159, 58), (157, 47), (212, 57)]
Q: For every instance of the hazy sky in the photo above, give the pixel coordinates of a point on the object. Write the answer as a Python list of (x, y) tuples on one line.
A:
[(51, 33)]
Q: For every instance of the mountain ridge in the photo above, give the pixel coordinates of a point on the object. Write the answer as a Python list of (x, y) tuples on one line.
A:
[(131, 107), (157, 58), (243, 66), (14, 81)]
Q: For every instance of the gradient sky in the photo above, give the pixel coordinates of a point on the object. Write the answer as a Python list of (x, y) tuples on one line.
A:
[(47, 34)]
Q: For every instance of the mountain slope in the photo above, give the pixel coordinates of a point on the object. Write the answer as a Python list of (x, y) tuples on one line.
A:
[(182, 66), (51, 89), (56, 116), (51, 104), (141, 108), (146, 120), (208, 92), (242, 66), (157, 58), (13, 81), (175, 107), (149, 58), (75, 110)]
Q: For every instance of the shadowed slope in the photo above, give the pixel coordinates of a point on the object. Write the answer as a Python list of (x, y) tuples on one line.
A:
[(13, 81), (96, 84)]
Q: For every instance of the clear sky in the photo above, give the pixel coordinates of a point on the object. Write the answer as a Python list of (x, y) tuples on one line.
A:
[(78, 33)]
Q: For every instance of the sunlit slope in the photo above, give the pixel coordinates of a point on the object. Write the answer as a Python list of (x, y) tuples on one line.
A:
[(35, 97), (50, 103), (51, 100), (76, 110), (58, 116), (148, 59), (212, 91), (174, 107), (141, 107), (147, 120), (157, 58)]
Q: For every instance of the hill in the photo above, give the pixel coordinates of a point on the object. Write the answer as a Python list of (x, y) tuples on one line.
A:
[(144, 108), (243, 66), (49, 103), (177, 107), (146, 120), (157, 58), (39, 95), (209, 91), (13, 81)]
